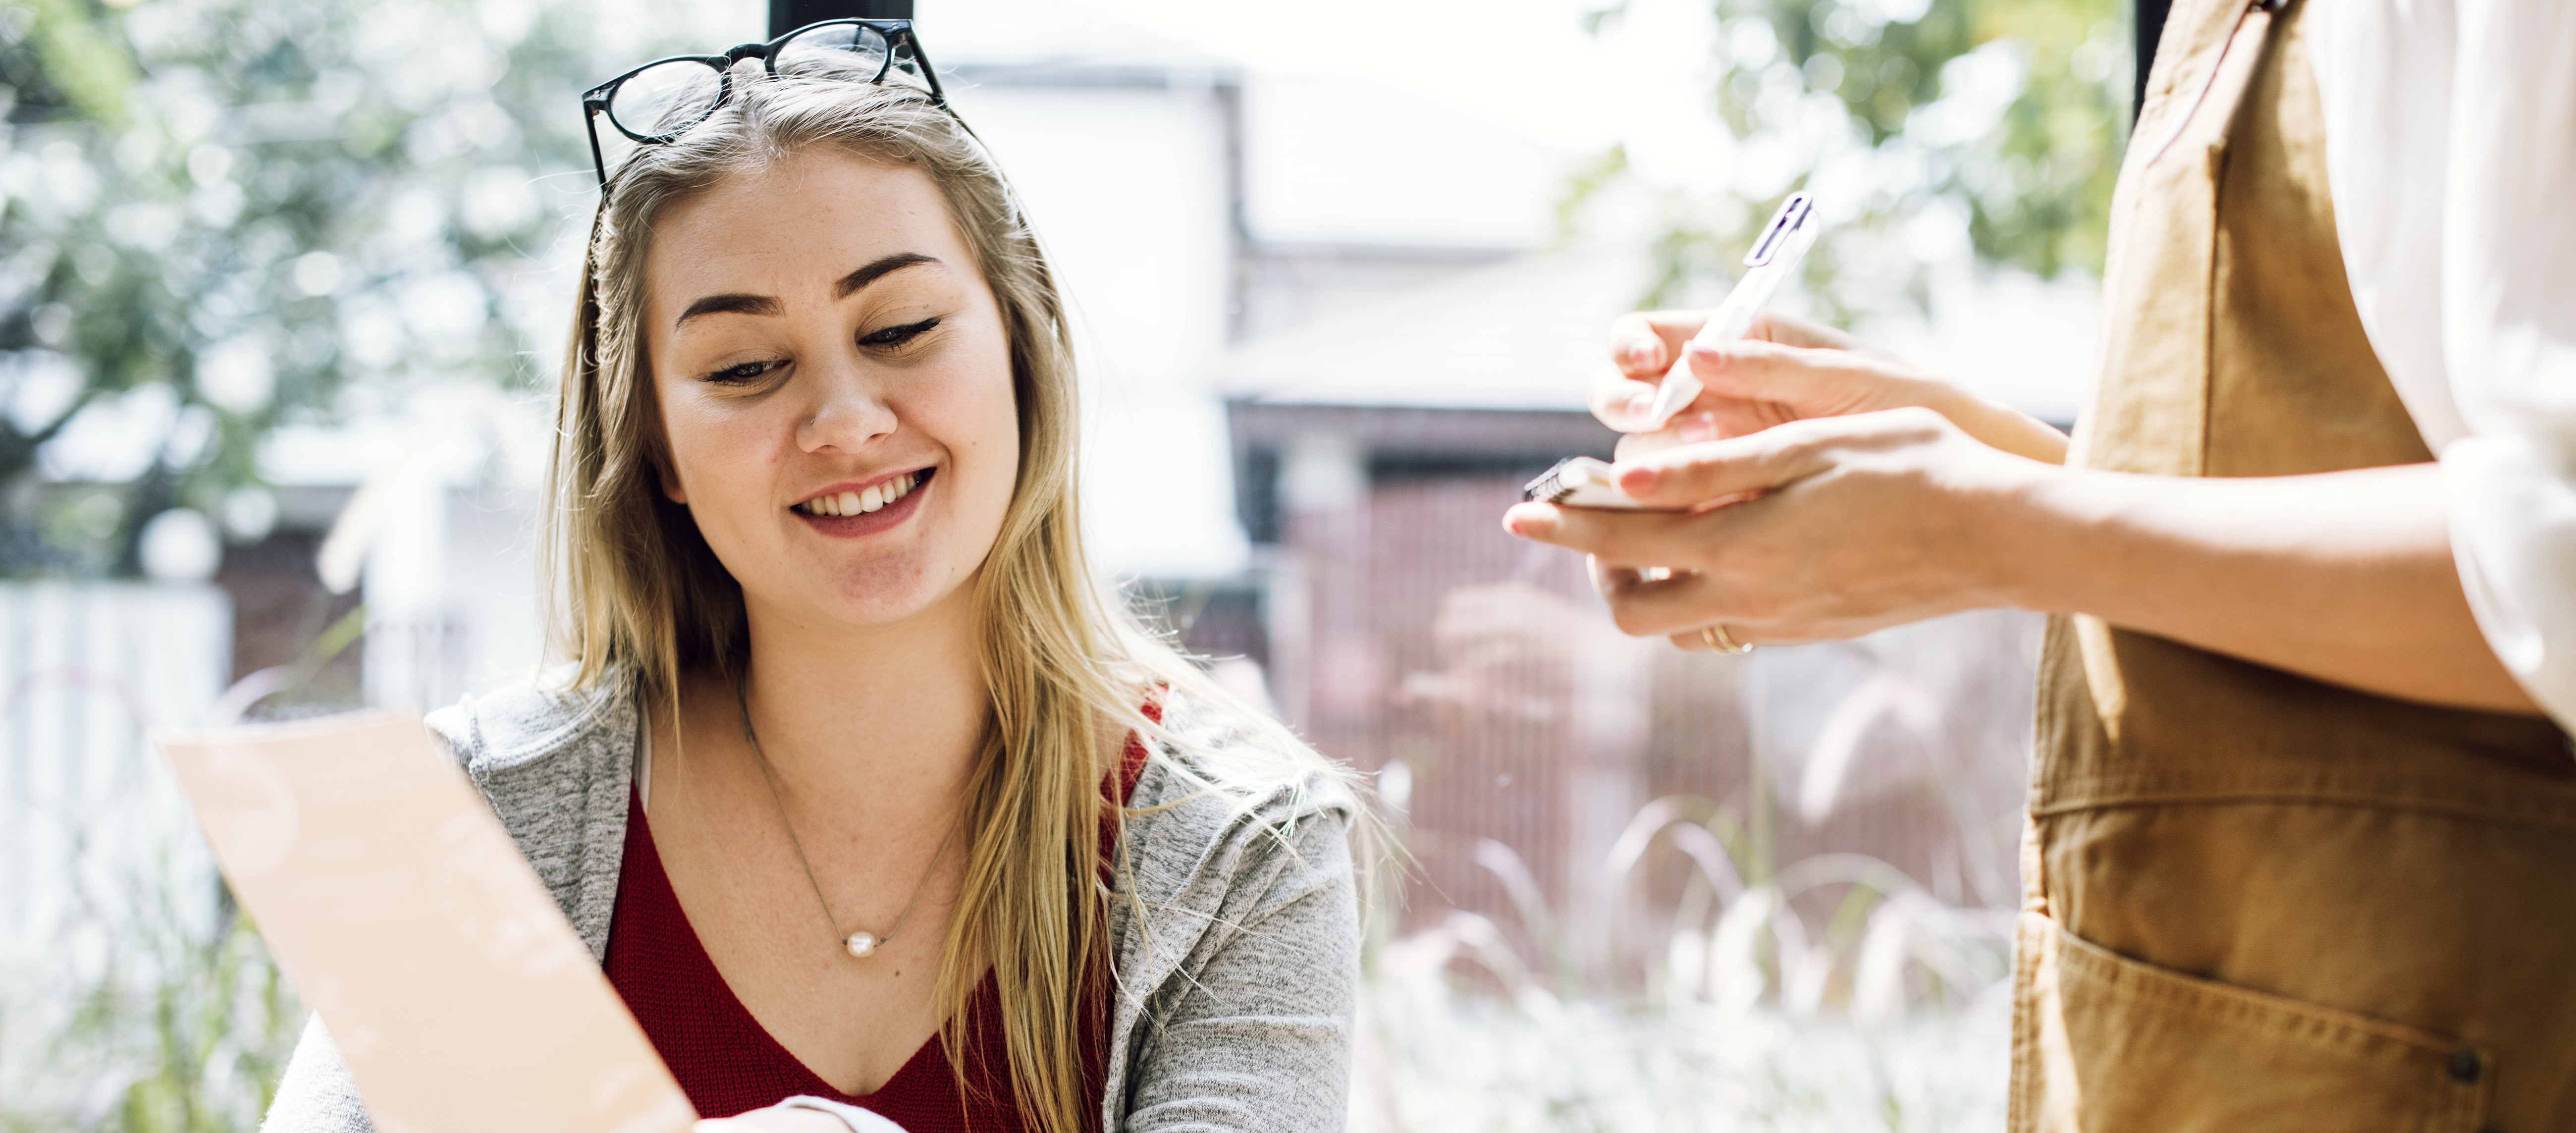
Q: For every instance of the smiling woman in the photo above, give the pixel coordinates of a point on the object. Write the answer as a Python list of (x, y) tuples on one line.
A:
[(799, 397), (868, 796)]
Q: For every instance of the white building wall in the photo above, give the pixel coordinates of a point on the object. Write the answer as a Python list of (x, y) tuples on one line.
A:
[(1127, 186), (449, 522), (451, 596)]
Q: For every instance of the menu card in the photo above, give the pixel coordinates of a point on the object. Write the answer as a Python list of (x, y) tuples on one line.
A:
[(460, 997)]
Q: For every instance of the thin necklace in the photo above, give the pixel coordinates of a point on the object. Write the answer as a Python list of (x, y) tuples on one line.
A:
[(858, 944)]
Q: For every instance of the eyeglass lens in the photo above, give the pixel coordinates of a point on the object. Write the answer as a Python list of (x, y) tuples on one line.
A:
[(833, 46), (666, 98)]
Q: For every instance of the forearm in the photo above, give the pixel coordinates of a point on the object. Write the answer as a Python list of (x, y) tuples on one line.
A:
[(1853, 523), (2002, 427), (2346, 577)]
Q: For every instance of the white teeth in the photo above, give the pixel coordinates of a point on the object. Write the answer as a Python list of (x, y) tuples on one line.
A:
[(865, 500)]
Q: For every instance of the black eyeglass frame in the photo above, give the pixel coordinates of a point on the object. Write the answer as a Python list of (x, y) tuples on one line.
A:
[(901, 43)]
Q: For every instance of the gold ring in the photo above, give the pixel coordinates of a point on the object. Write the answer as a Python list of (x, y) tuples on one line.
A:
[(1718, 639)]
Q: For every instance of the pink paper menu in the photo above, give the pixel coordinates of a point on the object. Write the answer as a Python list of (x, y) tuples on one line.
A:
[(460, 997)]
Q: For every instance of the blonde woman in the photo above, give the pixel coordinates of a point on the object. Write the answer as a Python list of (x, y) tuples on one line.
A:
[(872, 805)]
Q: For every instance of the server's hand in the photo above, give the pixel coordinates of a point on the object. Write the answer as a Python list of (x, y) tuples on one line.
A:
[(1784, 370), (1837, 526)]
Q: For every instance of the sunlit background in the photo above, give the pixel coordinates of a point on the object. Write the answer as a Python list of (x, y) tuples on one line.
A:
[(284, 285)]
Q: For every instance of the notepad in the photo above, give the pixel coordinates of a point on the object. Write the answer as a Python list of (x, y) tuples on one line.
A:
[(461, 999)]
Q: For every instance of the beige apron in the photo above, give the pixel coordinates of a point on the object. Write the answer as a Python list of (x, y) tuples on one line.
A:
[(2256, 901)]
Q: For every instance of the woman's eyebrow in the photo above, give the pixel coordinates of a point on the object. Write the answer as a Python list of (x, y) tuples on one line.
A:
[(877, 269), (733, 304), (740, 304)]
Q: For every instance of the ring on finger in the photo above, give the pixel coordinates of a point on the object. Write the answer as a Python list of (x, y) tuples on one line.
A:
[(1718, 639)]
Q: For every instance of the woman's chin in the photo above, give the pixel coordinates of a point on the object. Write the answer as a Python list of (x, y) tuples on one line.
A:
[(878, 596), (832, 584)]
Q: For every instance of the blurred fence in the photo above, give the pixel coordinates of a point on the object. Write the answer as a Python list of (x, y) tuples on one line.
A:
[(88, 823), (1602, 800)]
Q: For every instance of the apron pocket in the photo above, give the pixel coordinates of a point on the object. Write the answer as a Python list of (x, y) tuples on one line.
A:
[(2104, 1042)]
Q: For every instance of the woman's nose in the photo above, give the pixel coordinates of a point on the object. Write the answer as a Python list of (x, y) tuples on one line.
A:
[(846, 412)]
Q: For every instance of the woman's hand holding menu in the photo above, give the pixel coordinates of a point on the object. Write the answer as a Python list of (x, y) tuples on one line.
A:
[(786, 1118)]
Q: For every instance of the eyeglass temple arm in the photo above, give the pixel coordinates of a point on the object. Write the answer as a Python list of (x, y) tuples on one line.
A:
[(929, 74), (590, 126)]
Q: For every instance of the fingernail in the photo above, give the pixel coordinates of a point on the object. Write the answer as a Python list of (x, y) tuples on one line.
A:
[(1637, 480), (1641, 353), (1699, 427), (1641, 405), (1512, 522)]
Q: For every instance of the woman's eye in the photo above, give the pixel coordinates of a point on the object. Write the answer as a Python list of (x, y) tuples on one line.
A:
[(898, 335), (743, 373)]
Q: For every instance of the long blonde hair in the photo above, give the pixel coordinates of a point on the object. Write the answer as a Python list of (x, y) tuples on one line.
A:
[(640, 596)]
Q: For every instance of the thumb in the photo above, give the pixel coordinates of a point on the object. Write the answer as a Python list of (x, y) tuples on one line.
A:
[(1810, 382), (1690, 477)]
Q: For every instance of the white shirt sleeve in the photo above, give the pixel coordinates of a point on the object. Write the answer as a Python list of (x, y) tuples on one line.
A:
[(2451, 141)]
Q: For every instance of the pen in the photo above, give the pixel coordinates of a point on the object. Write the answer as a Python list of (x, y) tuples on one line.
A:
[(1773, 260)]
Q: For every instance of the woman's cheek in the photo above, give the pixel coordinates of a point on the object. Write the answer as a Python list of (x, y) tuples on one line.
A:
[(684, 444), (721, 464)]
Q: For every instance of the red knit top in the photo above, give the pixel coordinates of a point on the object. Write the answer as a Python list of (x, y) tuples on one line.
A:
[(728, 1063)]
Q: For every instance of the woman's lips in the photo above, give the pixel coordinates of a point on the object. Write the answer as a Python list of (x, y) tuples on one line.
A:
[(864, 523)]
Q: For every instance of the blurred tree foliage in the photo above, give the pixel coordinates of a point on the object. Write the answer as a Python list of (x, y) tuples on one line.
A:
[(2002, 118), (218, 216)]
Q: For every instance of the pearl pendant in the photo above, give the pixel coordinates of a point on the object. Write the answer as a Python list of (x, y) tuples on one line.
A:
[(860, 944)]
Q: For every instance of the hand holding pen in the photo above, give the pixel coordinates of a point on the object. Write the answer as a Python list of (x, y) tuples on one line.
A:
[(1775, 257), (1812, 492), (1682, 377), (1780, 482), (1784, 369)]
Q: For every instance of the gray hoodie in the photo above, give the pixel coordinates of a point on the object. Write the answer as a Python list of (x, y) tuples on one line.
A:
[(1235, 986)]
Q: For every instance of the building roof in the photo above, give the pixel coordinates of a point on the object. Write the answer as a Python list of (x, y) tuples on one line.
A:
[(1522, 334), (1529, 332)]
